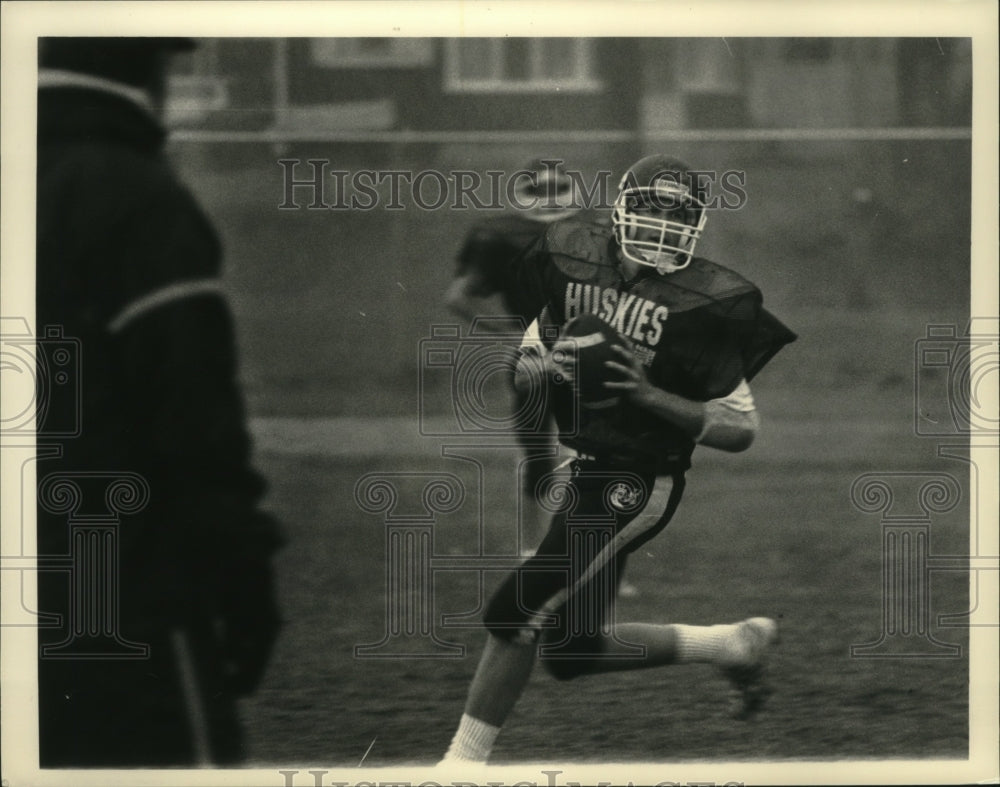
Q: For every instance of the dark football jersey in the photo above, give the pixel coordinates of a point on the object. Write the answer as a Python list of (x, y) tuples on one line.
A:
[(697, 331), (487, 256)]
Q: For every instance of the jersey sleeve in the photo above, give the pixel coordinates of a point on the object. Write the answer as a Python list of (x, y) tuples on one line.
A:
[(766, 339), (732, 325), (719, 343), (752, 336)]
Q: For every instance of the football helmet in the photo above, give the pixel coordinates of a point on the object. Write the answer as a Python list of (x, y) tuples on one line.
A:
[(544, 191), (659, 213)]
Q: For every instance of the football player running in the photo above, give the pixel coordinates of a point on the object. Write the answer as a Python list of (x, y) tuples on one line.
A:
[(541, 193), (485, 286), (693, 335)]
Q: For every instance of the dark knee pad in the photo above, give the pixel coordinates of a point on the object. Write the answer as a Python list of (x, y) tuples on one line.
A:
[(567, 657)]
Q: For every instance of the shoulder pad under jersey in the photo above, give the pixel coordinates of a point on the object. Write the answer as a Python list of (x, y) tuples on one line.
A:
[(580, 250), (711, 279)]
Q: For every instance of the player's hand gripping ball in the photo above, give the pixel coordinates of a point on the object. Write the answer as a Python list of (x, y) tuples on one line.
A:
[(592, 340)]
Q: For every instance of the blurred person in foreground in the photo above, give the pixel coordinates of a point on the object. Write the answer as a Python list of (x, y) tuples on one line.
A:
[(129, 265), (673, 341)]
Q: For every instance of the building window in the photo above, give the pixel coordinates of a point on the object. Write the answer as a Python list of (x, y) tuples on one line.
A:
[(371, 52), (513, 65), (196, 86)]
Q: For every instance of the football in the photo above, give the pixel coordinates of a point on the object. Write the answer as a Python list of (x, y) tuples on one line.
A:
[(594, 339)]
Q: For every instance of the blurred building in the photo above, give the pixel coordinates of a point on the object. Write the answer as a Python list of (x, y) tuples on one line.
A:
[(610, 84), (846, 146)]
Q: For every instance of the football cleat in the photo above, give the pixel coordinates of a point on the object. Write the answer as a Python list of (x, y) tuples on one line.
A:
[(745, 669)]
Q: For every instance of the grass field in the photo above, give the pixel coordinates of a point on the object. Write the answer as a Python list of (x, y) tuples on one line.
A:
[(772, 531), (331, 309)]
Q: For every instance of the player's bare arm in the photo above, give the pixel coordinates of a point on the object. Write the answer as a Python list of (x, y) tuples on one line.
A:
[(728, 424)]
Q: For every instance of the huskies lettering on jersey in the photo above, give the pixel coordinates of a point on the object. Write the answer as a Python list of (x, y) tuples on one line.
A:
[(638, 318)]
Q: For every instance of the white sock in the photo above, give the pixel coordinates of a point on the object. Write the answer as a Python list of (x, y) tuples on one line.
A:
[(473, 740), (704, 643)]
